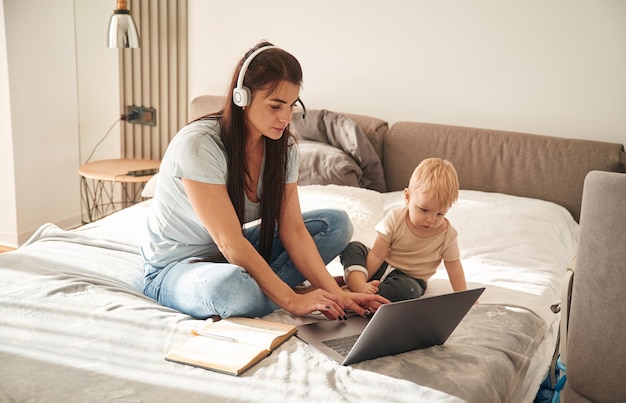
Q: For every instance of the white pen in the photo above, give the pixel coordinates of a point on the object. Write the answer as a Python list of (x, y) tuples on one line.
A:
[(213, 336)]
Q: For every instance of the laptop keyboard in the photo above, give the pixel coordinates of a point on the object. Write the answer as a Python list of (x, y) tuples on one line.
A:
[(342, 345)]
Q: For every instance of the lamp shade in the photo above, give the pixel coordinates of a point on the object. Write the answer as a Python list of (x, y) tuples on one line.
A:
[(122, 30)]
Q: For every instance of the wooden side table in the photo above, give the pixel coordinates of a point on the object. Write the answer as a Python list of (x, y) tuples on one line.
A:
[(100, 198)]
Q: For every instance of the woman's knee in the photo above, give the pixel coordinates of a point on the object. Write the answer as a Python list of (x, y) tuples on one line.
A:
[(240, 295), (331, 230), (235, 293), (206, 289)]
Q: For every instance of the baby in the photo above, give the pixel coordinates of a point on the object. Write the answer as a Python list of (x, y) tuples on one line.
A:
[(411, 240)]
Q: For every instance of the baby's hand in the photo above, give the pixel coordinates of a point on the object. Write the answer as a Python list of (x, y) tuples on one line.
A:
[(370, 287)]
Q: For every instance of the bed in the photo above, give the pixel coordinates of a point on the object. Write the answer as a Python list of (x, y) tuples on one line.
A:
[(75, 326)]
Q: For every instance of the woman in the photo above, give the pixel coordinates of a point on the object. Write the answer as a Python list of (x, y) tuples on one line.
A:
[(230, 169)]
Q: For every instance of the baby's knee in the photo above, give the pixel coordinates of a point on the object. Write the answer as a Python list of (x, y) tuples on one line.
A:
[(399, 289), (355, 253)]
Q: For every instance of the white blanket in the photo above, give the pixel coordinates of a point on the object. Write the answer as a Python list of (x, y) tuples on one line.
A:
[(74, 325)]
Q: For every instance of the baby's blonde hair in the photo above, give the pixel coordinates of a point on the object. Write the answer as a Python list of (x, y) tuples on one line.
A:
[(437, 177)]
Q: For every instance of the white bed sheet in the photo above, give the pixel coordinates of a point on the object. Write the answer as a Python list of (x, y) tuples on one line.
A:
[(74, 325)]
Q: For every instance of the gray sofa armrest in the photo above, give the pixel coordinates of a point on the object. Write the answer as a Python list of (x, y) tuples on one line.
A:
[(596, 352)]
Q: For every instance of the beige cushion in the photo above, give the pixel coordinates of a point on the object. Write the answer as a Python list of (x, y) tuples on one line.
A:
[(520, 164), (205, 104)]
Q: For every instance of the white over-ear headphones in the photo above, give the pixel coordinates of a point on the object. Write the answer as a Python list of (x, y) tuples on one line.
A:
[(241, 94)]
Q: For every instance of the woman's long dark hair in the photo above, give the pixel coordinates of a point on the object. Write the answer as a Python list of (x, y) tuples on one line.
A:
[(265, 72)]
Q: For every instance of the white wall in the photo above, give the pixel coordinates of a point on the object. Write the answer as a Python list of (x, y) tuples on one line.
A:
[(8, 222), (57, 65), (553, 67), (43, 107), (548, 67), (98, 80)]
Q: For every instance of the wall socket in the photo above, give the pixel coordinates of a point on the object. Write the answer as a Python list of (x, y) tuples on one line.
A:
[(141, 115)]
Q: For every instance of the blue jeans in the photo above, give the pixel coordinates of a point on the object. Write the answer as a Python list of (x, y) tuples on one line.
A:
[(204, 289)]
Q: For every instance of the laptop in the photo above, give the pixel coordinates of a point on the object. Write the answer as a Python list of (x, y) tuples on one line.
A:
[(394, 328)]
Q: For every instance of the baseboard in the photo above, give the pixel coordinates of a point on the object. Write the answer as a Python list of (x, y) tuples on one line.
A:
[(8, 240), (6, 249)]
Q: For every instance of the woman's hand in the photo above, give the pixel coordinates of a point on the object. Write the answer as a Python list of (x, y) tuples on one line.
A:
[(334, 306), (361, 304), (316, 300)]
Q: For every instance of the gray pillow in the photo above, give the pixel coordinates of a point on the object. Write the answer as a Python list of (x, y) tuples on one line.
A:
[(323, 164), (345, 135)]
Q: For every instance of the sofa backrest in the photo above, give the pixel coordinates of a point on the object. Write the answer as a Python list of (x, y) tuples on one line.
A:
[(520, 164), (204, 104)]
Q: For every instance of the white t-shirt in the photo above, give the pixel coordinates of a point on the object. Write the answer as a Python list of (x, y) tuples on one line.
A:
[(196, 152)]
